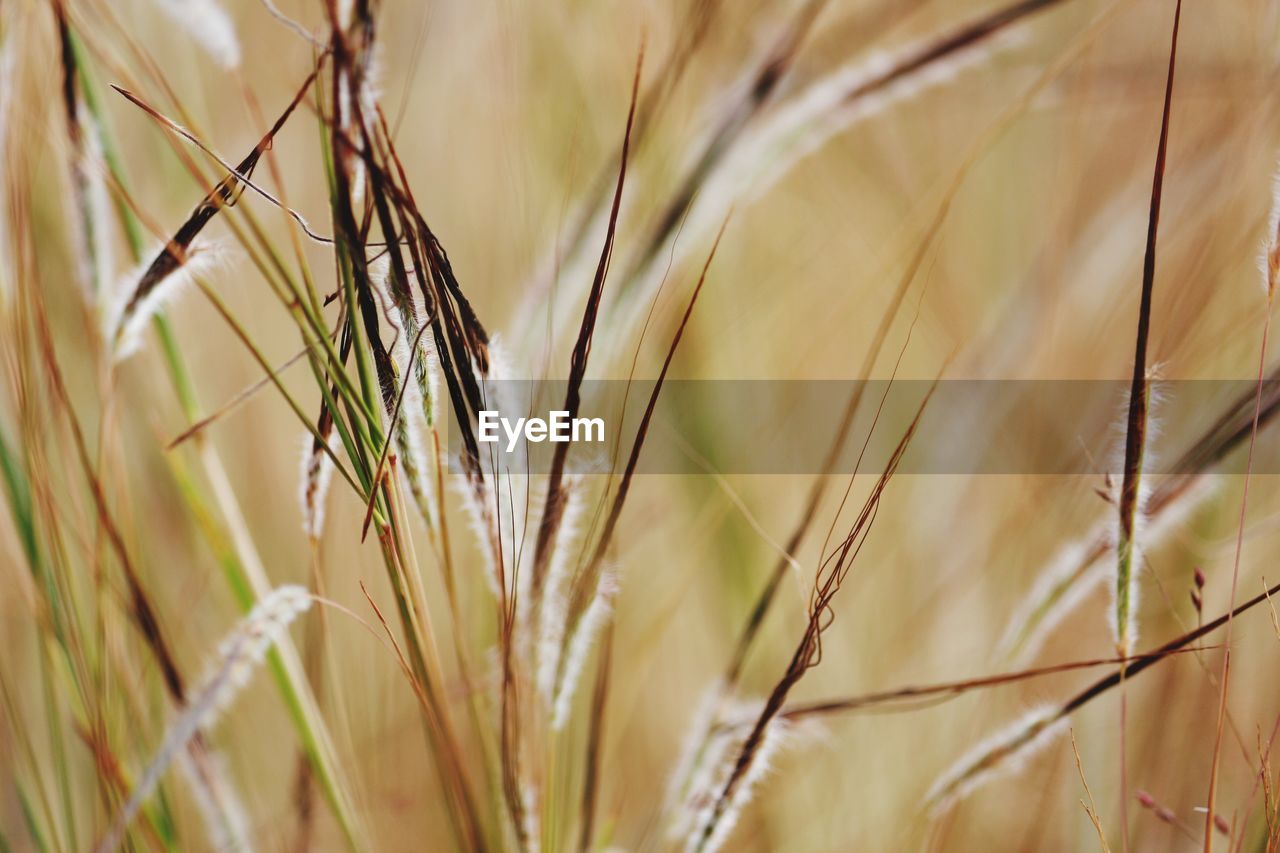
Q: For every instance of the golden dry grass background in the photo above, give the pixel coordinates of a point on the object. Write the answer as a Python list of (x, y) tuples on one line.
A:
[(509, 110)]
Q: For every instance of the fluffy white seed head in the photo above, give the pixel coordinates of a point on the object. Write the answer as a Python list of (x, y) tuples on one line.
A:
[(711, 745), (238, 655), (771, 148), (124, 326), (561, 569), (209, 25), (1075, 571), (709, 822), (1129, 550), (530, 809), (478, 509), (578, 649), (1003, 754), (98, 200), (313, 485)]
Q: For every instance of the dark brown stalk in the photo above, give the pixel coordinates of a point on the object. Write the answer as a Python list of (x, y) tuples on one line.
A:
[(225, 194), (353, 236), (553, 510), (1156, 655), (584, 586), (139, 602), (1136, 434), (955, 688), (393, 416), (352, 134), (460, 339)]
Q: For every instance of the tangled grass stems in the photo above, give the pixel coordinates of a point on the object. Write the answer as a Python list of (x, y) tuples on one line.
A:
[(245, 573), (729, 800)]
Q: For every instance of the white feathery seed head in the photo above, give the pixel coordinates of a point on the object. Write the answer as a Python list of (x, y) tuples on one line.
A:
[(314, 479), (1005, 753), (89, 213), (578, 648), (243, 650), (1126, 634), (1079, 566), (706, 759), (124, 327), (779, 733), (414, 381), (478, 509), (801, 125), (530, 810), (209, 25), (238, 655), (561, 568), (1269, 251), (98, 200)]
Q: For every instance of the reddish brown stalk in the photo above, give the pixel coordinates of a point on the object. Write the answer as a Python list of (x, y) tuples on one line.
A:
[(831, 575), (1214, 444), (108, 768), (139, 604), (1158, 654), (553, 510), (838, 443), (955, 688), (584, 586), (1272, 273)]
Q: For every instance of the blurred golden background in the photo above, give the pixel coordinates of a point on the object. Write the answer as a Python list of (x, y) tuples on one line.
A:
[(999, 191)]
